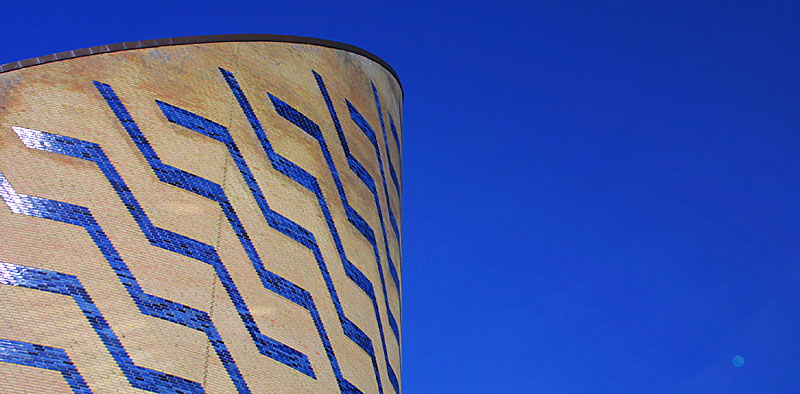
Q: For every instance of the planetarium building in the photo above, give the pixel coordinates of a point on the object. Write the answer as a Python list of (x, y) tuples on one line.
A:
[(215, 214)]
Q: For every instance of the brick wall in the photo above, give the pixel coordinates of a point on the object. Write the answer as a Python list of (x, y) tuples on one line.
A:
[(213, 217)]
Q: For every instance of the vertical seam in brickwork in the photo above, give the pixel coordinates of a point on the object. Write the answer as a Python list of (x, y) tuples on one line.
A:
[(216, 278), (211, 317), (219, 231)]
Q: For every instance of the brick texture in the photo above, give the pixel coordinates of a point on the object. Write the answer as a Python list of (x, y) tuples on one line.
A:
[(211, 217)]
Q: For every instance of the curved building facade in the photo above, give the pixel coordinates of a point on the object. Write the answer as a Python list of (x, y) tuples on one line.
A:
[(201, 215)]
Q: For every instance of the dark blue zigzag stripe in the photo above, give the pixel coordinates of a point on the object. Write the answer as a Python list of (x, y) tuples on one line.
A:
[(148, 304), (218, 132), (396, 139), (195, 249), (389, 158), (308, 181), (139, 377), (357, 220), (365, 177), (371, 135), (39, 356), (312, 129), (364, 126)]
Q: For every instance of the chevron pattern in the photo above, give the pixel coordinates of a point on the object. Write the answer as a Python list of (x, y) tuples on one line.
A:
[(249, 319)]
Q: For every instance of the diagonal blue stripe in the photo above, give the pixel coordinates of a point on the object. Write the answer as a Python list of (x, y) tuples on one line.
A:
[(392, 172), (312, 129), (275, 220), (357, 220), (163, 238), (139, 377), (195, 249), (364, 126), (367, 130), (396, 139), (211, 129), (39, 356)]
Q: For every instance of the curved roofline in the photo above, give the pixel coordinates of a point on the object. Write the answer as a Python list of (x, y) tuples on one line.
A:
[(197, 40)]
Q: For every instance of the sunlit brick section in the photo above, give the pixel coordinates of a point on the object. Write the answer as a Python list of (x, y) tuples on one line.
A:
[(201, 216)]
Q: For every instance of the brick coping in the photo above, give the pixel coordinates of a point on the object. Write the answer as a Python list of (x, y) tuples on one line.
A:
[(196, 40)]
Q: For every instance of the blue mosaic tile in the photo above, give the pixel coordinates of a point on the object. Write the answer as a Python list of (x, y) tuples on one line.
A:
[(366, 178), (139, 377), (396, 140), (367, 130), (313, 130), (277, 221), (358, 221), (206, 253), (38, 356), (392, 172), (392, 219), (180, 314)]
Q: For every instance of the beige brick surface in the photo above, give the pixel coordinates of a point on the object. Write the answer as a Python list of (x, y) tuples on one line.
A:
[(60, 98)]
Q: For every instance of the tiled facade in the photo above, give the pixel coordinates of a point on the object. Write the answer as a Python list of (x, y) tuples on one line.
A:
[(218, 217)]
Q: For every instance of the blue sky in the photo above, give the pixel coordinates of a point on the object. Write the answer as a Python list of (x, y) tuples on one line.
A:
[(597, 197)]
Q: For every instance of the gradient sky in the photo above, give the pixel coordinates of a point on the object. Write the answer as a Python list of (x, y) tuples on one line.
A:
[(598, 198)]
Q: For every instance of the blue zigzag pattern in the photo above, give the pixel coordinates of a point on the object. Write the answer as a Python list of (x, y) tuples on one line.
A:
[(396, 140), (308, 181), (33, 355), (313, 130), (355, 219), (204, 126), (139, 377), (389, 158), (370, 134), (208, 189), (365, 127), (383, 177), (366, 178), (180, 314)]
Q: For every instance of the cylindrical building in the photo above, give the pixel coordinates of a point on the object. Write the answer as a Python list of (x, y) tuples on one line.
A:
[(215, 214)]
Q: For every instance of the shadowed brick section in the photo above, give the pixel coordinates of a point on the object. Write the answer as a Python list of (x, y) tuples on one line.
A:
[(208, 211)]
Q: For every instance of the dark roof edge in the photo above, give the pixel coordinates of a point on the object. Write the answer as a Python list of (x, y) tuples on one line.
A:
[(196, 40)]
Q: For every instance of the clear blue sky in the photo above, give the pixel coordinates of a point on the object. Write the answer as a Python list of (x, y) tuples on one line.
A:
[(597, 197)]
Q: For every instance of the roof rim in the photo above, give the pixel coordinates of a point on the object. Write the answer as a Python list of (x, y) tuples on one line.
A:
[(95, 50)]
